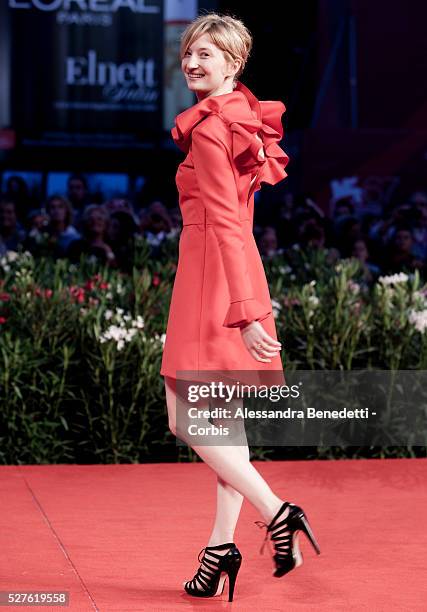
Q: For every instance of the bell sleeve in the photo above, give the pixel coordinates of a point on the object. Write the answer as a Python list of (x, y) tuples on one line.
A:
[(218, 190)]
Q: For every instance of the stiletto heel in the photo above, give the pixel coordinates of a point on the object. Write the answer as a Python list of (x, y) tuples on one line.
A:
[(284, 535), (305, 527), (231, 582), (211, 570)]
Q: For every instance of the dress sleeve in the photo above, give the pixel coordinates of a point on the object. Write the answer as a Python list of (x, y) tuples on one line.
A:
[(218, 189)]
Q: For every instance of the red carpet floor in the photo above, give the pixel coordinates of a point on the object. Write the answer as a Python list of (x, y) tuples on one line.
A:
[(125, 537)]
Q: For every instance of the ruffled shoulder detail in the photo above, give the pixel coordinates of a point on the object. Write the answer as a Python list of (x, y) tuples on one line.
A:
[(256, 129), (186, 121)]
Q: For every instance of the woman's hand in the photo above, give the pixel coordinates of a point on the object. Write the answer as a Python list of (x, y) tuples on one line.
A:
[(260, 345)]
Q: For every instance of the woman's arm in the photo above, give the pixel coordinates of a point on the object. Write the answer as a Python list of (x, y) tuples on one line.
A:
[(218, 189)]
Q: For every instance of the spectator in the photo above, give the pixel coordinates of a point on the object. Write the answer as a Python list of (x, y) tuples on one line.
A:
[(156, 223), (55, 237), (78, 195), (372, 199), (419, 232), (17, 192), (268, 243), (384, 229), (347, 230), (3, 248), (343, 207), (60, 211), (93, 243), (360, 251), (121, 230), (118, 203), (312, 235), (399, 252), (11, 232), (419, 198), (176, 220), (37, 221)]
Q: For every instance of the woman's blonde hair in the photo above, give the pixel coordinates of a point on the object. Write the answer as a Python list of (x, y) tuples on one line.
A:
[(228, 33)]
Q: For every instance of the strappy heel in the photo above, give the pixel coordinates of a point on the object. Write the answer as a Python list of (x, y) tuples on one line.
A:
[(284, 535), (210, 575)]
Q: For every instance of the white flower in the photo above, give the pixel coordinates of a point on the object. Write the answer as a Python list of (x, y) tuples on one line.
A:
[(109, 295), (139, 322), (354, 287), (418, 320), (393, 279), (119, 288), (120, 333), (13, 255), (130, 334), (312, 283), (163, 339), (275, 304), (314, 300)]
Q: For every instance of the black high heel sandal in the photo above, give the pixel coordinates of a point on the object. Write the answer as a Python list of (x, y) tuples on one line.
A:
[(284, 535), (210, 574)]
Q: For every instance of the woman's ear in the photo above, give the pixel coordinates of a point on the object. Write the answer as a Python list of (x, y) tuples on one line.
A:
[(237, 65)]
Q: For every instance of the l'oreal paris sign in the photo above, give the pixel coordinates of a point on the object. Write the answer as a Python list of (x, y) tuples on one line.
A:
[(95, 6)]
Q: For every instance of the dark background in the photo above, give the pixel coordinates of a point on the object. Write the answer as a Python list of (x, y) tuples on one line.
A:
[(351, 73)]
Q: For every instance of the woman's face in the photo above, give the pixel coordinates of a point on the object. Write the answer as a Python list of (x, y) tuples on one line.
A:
[(113, 229), (403, 241), (205, 68), (268, 243), (57, 210), (7, 215), (97, 223), (360, 251)]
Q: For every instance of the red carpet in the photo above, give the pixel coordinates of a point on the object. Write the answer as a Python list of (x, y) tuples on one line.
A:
[(125, 537)]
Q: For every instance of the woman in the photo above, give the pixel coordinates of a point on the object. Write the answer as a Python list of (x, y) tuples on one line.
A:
[(220, 295), (93, 243)]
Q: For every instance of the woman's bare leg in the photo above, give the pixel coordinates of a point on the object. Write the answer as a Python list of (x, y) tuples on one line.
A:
[(228, 506), (231, 465), (236, 479)]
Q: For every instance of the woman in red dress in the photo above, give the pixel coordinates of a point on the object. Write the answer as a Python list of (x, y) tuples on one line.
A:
[(220, 316)]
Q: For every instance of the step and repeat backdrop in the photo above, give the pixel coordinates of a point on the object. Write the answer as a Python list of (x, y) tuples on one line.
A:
[(91, 72)]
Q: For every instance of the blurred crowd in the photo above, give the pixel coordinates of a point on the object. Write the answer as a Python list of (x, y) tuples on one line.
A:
[(387, 239), (71, 225)]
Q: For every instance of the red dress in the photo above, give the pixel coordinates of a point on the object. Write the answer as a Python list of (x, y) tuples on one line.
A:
[(231, 141)]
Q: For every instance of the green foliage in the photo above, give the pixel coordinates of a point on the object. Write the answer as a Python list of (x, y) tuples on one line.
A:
[(81, 345)]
